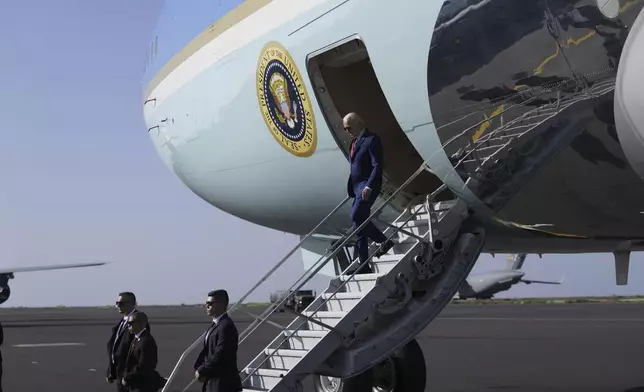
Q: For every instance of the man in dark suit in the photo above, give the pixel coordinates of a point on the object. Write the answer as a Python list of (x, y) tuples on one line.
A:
[(139, 373), (363, 186), (216, 366), (119, 342)]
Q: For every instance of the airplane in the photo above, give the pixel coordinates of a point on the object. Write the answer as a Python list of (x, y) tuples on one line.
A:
[(507, 127), (8, 273), (485, 285)]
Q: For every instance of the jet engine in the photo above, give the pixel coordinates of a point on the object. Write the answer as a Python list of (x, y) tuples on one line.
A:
[(5, 293), (629, 97)]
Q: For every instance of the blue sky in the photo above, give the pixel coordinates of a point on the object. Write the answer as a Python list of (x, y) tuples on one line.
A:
[(81, 180)]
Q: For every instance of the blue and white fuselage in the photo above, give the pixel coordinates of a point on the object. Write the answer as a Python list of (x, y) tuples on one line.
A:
[(220, 116), (207, 124)]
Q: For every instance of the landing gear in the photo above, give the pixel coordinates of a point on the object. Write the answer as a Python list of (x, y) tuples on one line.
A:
[(402, 372)]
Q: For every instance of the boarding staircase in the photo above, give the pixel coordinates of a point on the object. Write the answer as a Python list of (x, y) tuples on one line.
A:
[(482, 155), (361, 319)]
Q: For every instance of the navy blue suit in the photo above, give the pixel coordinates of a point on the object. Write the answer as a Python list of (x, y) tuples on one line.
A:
[(366, 171)]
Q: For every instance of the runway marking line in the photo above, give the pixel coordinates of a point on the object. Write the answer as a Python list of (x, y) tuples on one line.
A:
[(47, 345), (639, 320)]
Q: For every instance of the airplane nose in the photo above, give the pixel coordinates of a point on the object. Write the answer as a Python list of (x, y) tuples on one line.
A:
[(629, 97)]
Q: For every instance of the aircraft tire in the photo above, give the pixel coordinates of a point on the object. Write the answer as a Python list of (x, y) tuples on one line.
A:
[(402, 372)]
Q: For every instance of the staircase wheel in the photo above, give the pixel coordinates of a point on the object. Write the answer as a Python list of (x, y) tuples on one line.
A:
[(402, 372)]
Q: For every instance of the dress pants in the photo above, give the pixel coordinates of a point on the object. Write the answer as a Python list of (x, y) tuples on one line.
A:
[(360, 211)]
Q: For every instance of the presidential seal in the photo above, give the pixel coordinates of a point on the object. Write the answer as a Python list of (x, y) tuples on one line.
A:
[(284, 102)]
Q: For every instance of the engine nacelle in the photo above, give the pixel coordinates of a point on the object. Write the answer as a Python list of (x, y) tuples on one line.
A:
[(629, 97), (5, 293)]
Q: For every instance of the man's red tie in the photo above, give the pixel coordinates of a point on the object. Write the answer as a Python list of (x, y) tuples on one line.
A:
[(353, 144)]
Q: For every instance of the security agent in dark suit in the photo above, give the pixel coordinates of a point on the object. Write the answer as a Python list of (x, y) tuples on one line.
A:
[(119, 342), (140, 374), (216, 366), (364, 184)]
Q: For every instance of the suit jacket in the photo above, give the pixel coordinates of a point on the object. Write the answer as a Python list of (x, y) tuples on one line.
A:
[(140, 365), (217, 362), (366, 164), (118, 345)]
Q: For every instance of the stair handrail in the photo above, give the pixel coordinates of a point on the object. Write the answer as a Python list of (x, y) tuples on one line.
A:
[(325, 260), (262, 280), (596, 89), (557, 106), (293, 289), (346, 281)]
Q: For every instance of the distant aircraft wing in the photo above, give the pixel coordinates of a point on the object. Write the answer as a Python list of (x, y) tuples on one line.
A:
[(528, 281), (47, 267)]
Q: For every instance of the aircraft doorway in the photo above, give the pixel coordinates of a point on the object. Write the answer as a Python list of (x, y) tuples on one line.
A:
[(345, 82)]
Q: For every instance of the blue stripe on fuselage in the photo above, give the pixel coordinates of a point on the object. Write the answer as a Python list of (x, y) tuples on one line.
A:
[(179, 23)]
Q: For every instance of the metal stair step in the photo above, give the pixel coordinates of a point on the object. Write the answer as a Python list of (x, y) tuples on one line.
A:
[(329, 318), (263, 378), (360, 283), (388, 257), (419, 223), (439, 207), (384, 267), (303, 340), (283, 358), (341, 302), (386, 263), (401, 247), (419, 231)]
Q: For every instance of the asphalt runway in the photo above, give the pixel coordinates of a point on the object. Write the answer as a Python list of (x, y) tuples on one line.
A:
[(537, 348)]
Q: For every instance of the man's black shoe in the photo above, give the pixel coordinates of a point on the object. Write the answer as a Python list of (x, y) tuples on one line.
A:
[(363, 268), (384, 248)]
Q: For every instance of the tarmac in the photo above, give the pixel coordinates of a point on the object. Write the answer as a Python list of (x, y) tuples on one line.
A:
[(500, 347)]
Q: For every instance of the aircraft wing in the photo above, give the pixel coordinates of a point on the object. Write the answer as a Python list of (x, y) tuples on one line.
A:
[(528, 281), (47, 267)]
